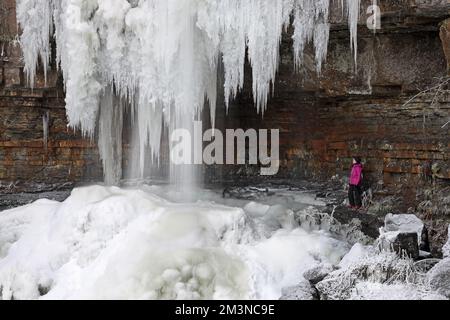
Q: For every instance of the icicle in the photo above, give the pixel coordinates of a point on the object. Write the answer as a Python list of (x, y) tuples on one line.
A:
[(311, 23), (353, 10), (45, 128), (35, 17)]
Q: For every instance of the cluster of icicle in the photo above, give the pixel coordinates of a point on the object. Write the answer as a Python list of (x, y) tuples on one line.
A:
[(160, 57)]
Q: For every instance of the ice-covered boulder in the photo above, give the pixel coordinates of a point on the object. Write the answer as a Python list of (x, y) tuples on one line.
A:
[(405, 223), (400, 242), (401, 233), (439, 277), (371, 266), (318, 273), (302, 291), (446, 247), (356, 253)]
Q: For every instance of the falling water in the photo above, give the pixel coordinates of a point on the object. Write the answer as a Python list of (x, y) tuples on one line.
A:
[(158, 59)]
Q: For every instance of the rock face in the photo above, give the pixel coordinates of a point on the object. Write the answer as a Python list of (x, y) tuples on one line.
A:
[(27, 161), (439, 277), (445, 37)]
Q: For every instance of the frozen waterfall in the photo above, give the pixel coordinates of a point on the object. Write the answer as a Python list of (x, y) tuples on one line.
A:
[(160, 58)]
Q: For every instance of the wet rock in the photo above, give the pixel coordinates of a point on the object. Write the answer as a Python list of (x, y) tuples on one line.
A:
[(403, 243), (318, 273), (302, 291), (439, 277)]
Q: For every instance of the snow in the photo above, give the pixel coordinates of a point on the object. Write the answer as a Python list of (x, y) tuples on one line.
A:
[(162, 56), (112, 243), (148, 243)]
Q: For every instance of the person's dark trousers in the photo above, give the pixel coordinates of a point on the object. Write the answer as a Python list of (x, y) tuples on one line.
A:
[(354, 196)]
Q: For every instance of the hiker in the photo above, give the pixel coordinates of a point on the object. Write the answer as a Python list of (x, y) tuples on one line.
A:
[(354, 191)]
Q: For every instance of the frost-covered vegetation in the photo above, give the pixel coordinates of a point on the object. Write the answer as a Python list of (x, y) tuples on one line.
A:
[(370, 274)]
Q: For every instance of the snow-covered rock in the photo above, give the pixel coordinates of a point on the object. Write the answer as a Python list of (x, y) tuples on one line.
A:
[(400, 242), (318, 273), (302, 291), (374, 267), (439, 277), (405, 223), (356, 253), (401, 233)]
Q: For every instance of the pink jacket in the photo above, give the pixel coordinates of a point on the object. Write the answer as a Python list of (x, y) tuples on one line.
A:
[(355, 175)]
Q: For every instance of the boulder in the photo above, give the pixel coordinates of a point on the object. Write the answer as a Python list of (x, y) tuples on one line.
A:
[(400, 242), (318, 273), (302, 291), (439, 277), (405, 223)]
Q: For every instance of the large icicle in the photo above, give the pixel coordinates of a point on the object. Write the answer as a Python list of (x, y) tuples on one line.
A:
[(162, 56), (353, 11)]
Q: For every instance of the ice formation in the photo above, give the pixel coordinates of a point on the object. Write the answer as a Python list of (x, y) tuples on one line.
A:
[(111, 243), (162, 56)]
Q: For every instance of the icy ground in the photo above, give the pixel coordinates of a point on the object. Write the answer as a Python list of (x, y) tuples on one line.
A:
[(112, 243)]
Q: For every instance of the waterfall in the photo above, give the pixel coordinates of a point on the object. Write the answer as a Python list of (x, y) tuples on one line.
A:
[(161, 57)]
